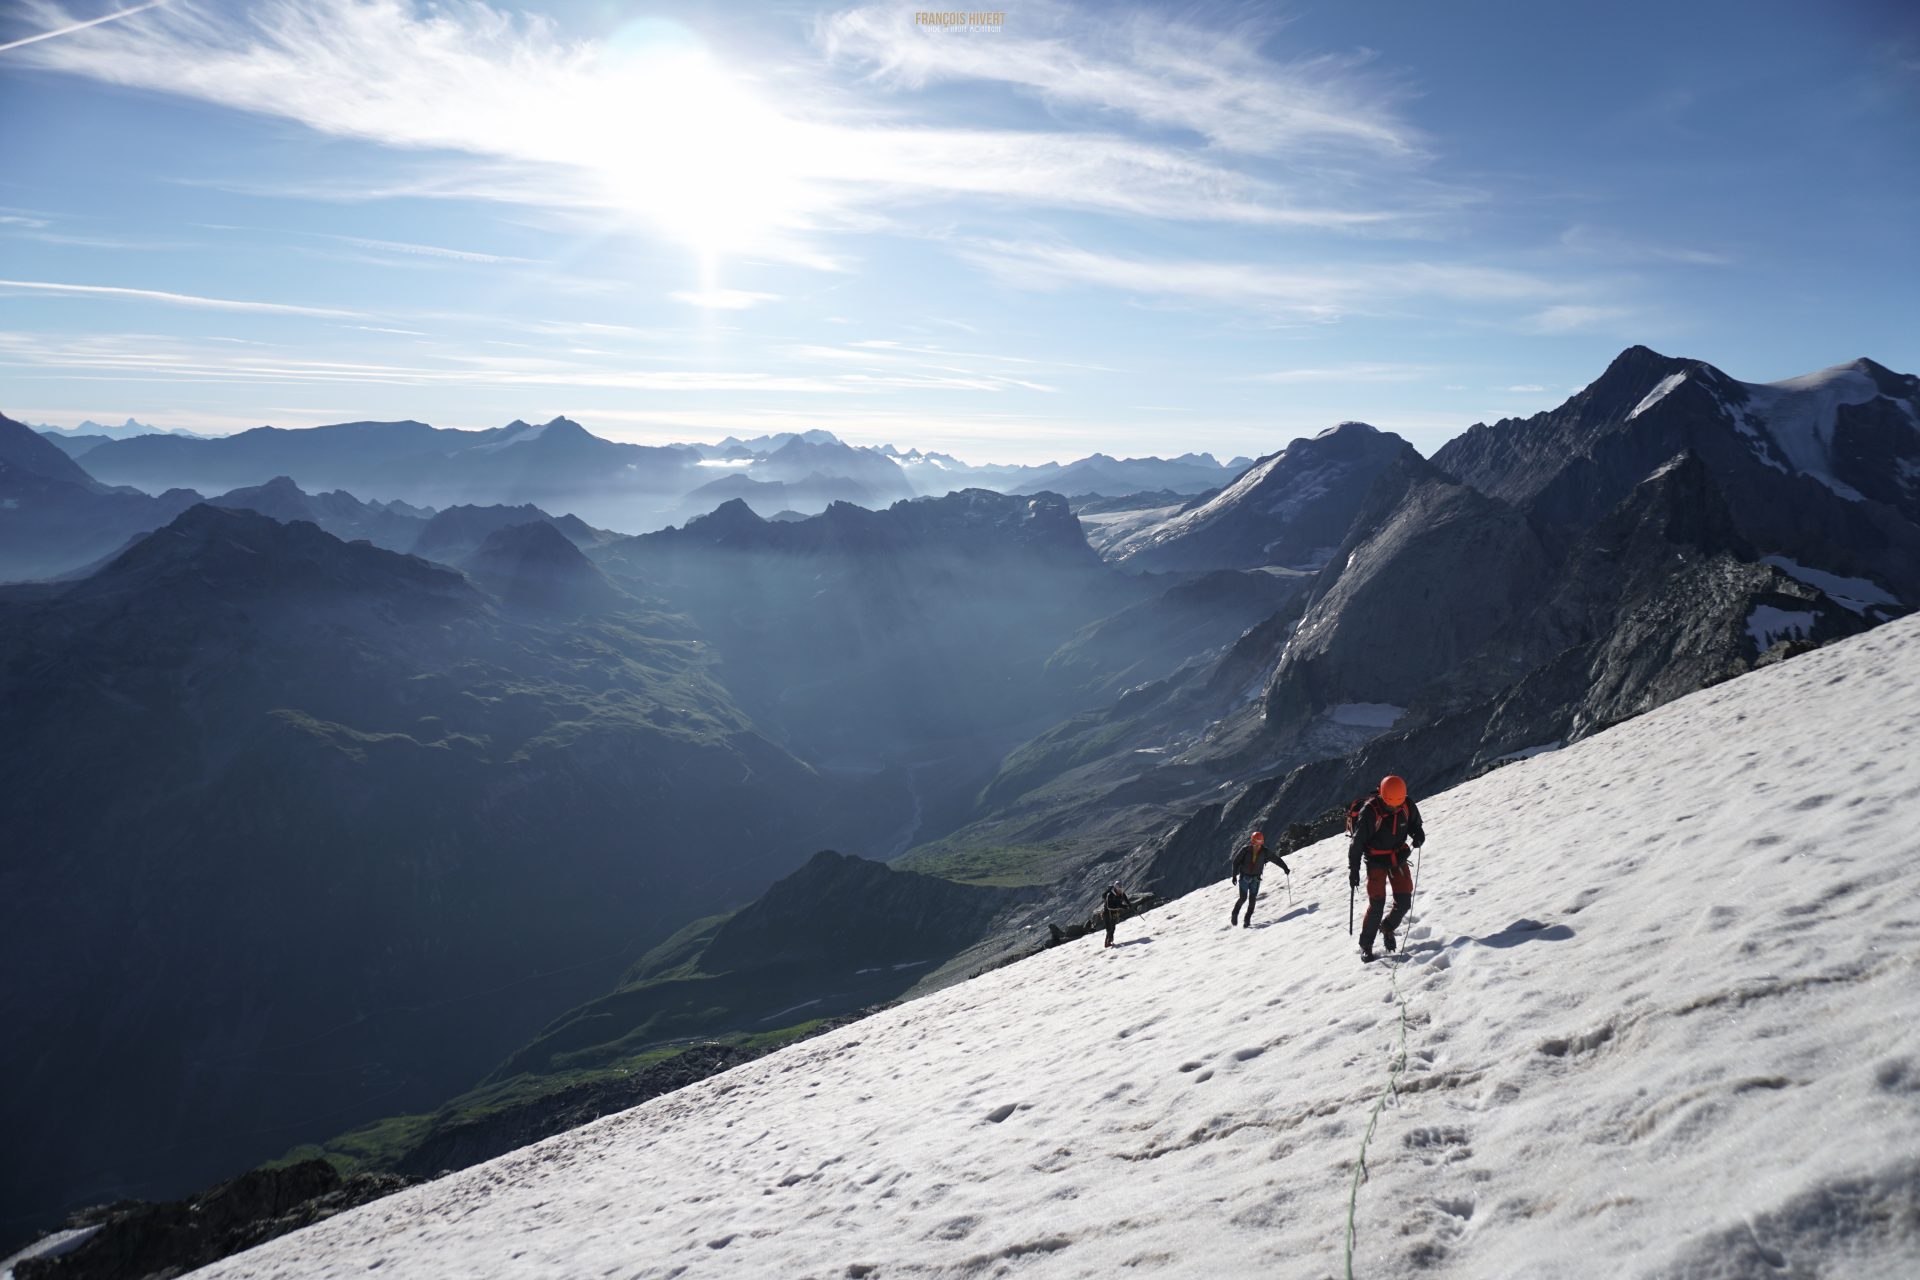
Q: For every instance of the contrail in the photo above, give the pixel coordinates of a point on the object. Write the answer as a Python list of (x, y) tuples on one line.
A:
[(82, 26)]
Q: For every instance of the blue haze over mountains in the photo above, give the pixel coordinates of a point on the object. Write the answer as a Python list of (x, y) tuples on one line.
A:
[(356, 767)]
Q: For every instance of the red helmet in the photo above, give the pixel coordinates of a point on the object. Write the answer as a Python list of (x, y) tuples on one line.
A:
[(1393, 789), (1258, 838)]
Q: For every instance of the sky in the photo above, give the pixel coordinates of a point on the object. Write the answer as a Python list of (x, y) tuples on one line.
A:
[(1134, 230)]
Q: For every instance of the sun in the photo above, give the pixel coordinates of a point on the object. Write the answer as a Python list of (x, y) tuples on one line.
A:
[(685, 145)]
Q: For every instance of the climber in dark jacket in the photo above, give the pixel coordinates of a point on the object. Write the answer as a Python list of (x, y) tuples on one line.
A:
[(1117, 905), (1246, 869), (1382, 829)]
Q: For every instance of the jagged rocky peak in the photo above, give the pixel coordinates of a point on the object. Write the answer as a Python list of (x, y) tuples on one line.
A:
[(1897, 386), (1290, 508)]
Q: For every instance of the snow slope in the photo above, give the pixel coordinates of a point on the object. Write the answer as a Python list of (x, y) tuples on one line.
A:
[(1660, 1010)]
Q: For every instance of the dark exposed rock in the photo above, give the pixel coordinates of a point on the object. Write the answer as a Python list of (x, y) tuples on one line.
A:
[(1432, 570), (140, 1241), (1824, 469)]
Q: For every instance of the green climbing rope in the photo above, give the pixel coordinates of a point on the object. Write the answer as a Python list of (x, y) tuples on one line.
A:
[(1373, 1118)]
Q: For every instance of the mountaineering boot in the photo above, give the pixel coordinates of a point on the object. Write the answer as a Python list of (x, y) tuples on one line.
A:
[(1366, 955), (1235, 917), (1386, 936)]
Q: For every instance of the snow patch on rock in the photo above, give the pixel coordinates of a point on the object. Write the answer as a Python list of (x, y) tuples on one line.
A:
[(1793, 421), (1658, 394), (1857, 594)]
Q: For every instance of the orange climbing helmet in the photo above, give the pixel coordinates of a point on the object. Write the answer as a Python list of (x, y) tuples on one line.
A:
[(1258, 838), (1393, 789)]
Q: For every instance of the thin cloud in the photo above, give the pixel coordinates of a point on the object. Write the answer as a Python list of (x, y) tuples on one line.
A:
[(1574, 318), (699, 151), (722, 299), (177, 299), (1348, 373), (71, 28), (1601, 243), (1167, 74), (154, 359), (1322, 293), (425, 250)]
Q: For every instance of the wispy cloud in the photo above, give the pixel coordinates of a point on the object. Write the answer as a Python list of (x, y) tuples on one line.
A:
[(73, 27), (1574, 318), (148, 358), (1598, 242), (175, 299), (424, 250), (707, 155), (1359, 372), (722, 299), (1211, 83), (376, 328), (1526, 387), (1325, 292)]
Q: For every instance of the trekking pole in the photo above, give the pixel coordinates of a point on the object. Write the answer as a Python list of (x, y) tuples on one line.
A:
[(1350, 892)]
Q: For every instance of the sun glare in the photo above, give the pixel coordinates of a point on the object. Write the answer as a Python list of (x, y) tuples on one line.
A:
[(685, 145)]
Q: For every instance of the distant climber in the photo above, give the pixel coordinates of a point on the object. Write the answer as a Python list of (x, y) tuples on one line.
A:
[(1383, 824), (1246, 870), (1118, 904)]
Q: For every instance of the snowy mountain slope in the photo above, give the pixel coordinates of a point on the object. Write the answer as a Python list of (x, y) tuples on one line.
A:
[(1658, 1010), (1291, 508)]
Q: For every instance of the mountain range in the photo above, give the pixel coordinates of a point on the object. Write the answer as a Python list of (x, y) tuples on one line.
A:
[(559, 465), (375, 790)]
